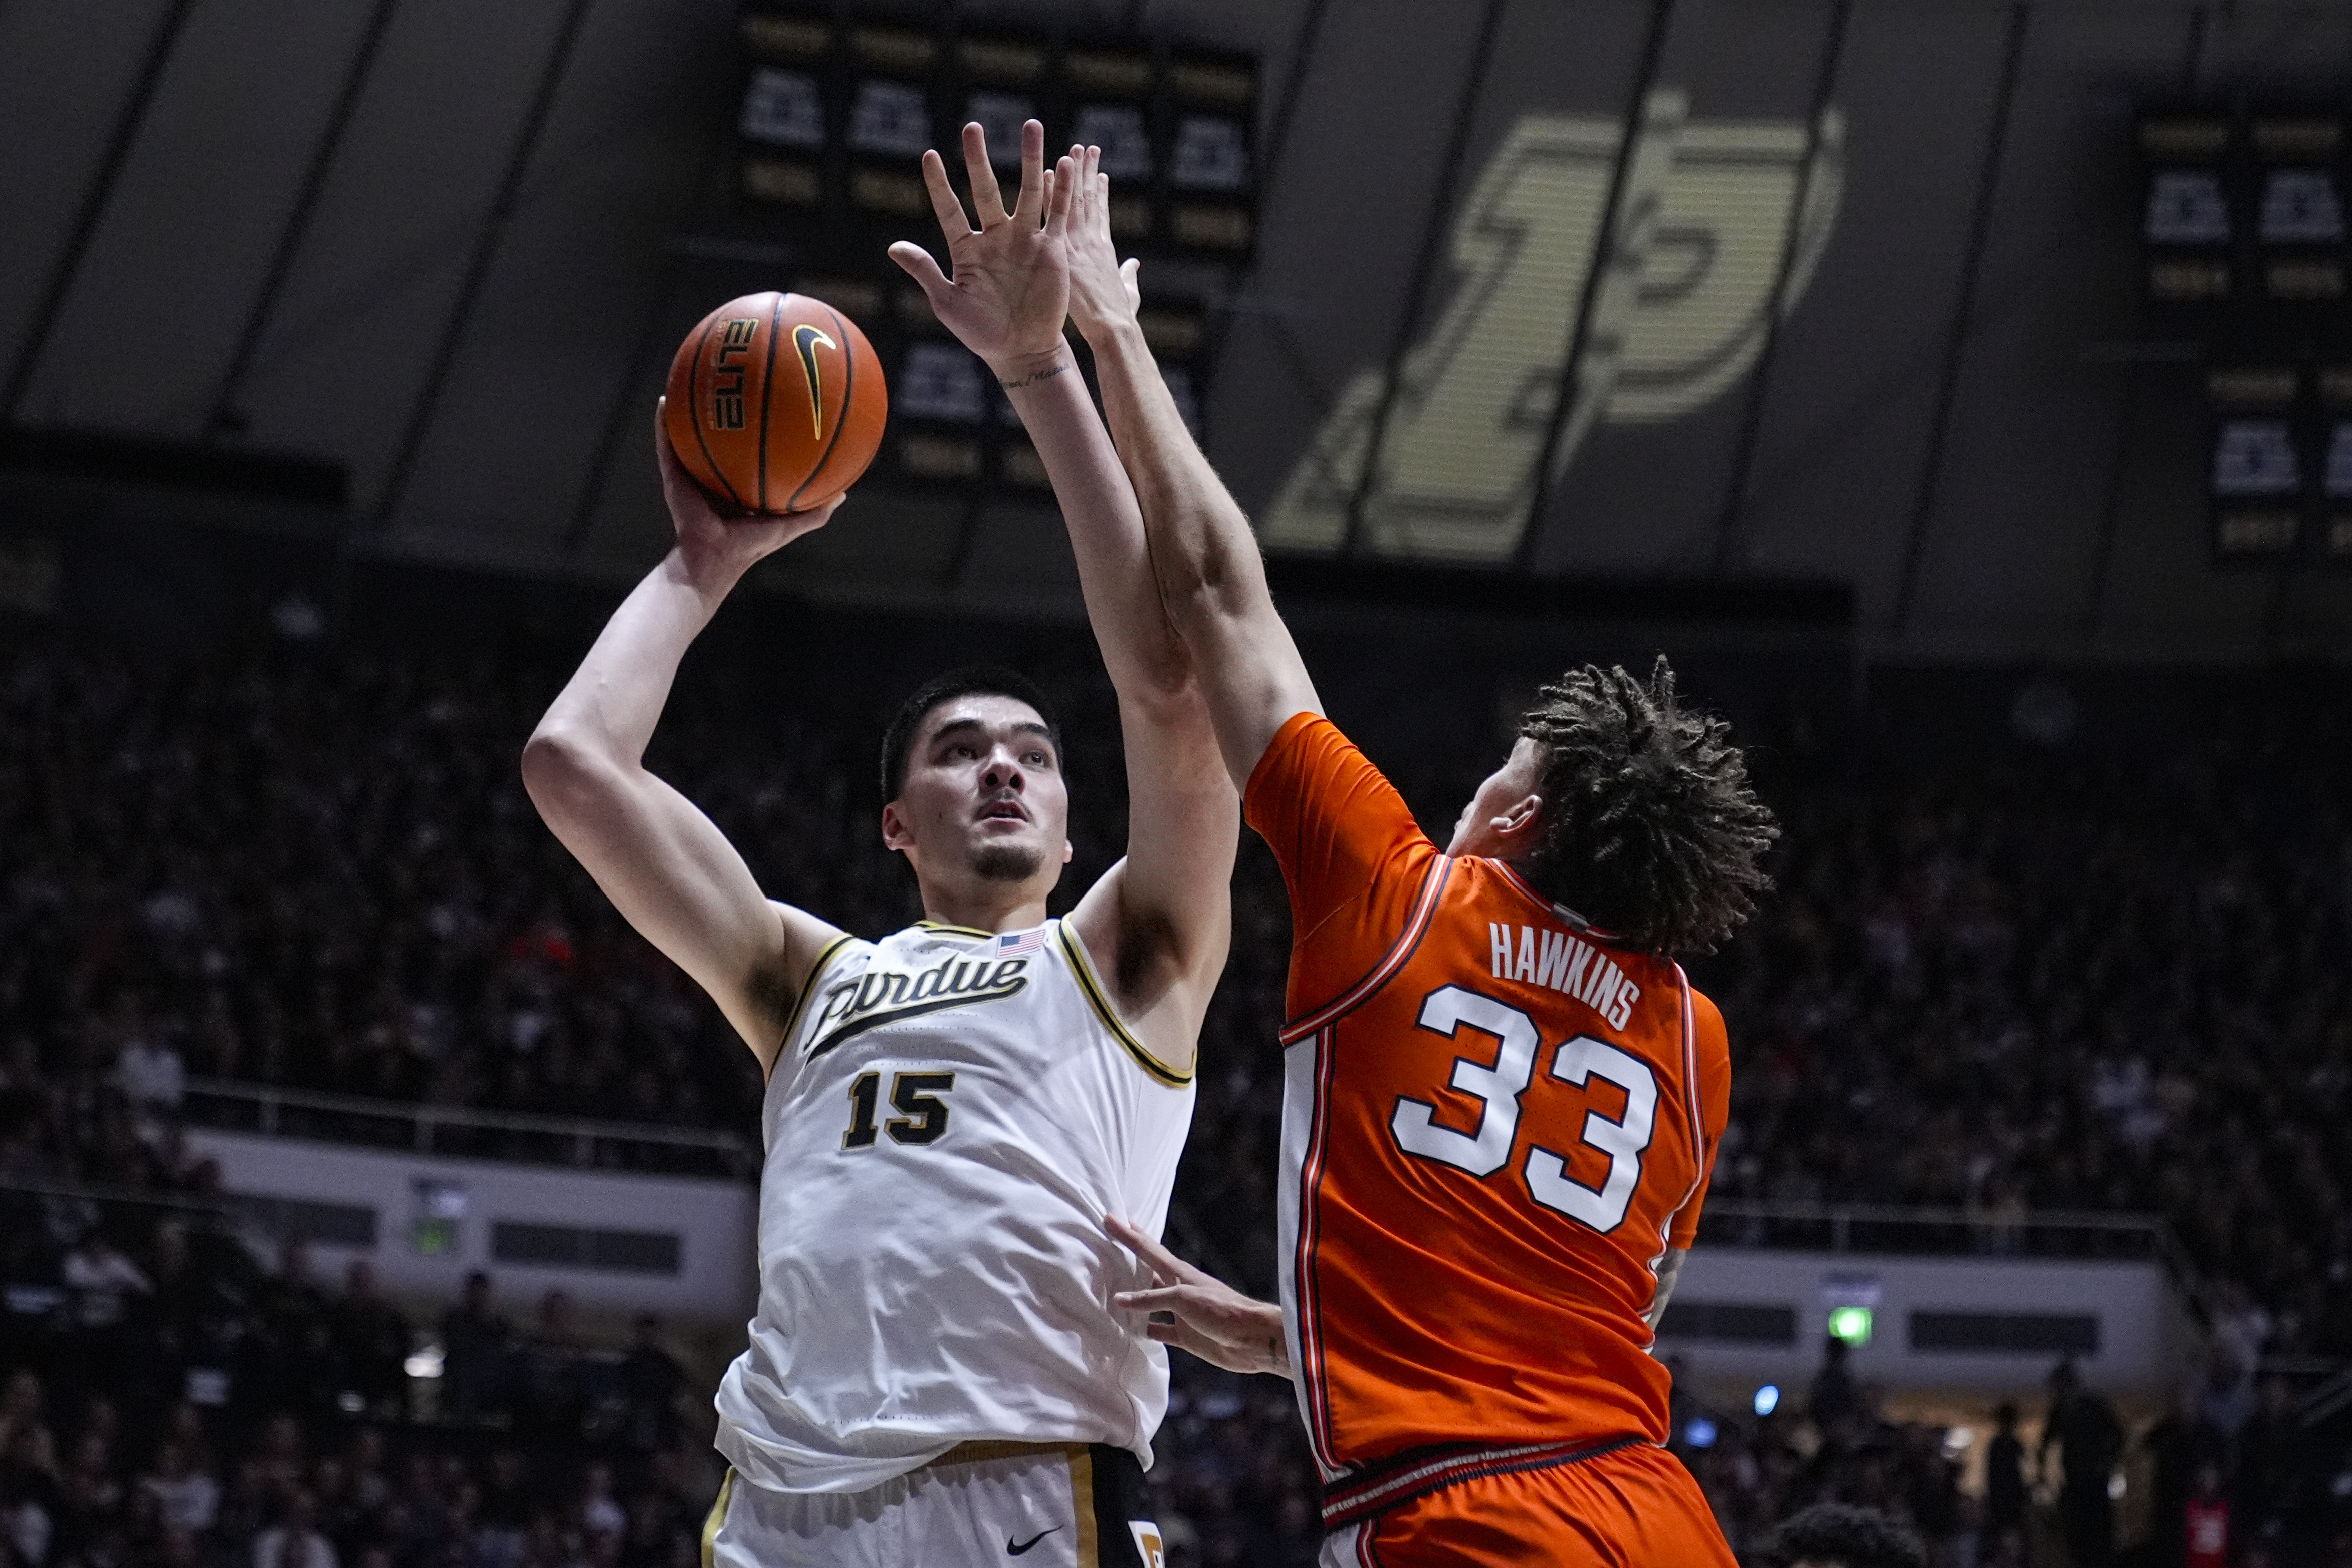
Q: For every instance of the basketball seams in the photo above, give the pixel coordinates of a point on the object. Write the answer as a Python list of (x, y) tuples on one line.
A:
[(848, 392), (768, 391), (693, 406)]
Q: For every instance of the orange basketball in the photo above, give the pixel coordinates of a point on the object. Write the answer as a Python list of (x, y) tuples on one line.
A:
[(775, 402)]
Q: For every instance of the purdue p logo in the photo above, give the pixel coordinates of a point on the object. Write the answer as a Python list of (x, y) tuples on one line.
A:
[(1147, 1542), (1687, 292)]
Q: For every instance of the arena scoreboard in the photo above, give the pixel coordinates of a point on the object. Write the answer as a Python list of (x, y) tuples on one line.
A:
[(2280, 463), (2246, 254), (835, 113)]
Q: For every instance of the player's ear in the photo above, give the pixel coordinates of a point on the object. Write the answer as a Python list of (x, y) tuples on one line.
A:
[(896, 831), (1517, 825), (1066, 851)]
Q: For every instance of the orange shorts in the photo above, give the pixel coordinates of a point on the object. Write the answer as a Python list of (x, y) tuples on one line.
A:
[(1634, 1506)]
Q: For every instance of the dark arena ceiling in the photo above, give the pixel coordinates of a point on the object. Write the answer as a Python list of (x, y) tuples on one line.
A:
[(1871, 309)]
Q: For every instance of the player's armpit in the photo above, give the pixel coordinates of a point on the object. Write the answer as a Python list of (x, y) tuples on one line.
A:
[(1160, 921)]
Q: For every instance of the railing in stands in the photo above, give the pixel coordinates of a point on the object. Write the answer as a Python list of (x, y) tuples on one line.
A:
[(458, 1133), (1927, 1231)]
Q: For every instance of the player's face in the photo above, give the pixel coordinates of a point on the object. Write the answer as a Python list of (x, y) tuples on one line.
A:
[(984, 795), (1500, 819)]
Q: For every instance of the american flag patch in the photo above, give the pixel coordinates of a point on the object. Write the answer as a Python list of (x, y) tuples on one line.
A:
[(1014, 943)]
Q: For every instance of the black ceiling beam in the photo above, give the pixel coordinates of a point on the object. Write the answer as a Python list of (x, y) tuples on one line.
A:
[(94, 199), (2111, 505), (225, 418), (1604, 246), (1645, 80), (1424, 270), (1729, 538), (1303, 41), (477, 265), (1964, 307), (649, 341)]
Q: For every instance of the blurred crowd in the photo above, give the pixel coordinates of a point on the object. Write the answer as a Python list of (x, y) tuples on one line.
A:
[(2068, 1482), (2050, 981), (165, 1400), (2011, 978)]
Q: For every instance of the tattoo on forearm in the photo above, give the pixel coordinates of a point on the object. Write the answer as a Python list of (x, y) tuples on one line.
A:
[(1034, 377)]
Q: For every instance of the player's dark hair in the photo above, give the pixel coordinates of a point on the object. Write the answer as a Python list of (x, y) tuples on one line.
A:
[(972, 680), (1650, 828), (1839, 1535)]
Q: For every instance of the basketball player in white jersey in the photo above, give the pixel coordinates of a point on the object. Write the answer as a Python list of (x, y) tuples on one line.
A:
[(937, 1375)]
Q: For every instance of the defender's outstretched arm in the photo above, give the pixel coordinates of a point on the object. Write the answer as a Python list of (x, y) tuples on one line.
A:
[(1160, 921), (663, 863), (1204, 554)]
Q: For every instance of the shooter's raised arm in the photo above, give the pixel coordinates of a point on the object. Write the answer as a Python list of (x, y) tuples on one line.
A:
[(1212, 581), (665, 865), (1158, 923)]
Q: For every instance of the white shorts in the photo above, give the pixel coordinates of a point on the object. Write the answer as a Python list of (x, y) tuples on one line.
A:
[(982, 1505)]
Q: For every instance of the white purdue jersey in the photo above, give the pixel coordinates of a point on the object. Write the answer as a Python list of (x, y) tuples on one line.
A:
[(951, 1115)]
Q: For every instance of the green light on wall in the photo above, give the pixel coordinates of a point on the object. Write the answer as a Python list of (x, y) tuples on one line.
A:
[(1851, 1324)]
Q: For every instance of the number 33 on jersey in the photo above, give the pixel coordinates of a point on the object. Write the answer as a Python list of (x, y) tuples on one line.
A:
[(1497, 1121)]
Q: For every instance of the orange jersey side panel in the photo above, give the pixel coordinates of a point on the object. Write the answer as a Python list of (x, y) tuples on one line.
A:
[(1495, 1123)]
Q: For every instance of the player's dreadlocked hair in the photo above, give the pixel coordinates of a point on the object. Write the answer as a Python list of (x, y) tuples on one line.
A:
[(1650, 826), (1839, 1535)]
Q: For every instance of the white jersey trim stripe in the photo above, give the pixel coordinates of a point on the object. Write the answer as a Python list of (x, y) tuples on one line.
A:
[(825, 957), (1415, 924)]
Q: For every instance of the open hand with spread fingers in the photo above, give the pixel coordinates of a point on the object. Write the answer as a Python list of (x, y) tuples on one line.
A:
[(1103, 291), (1195, 1310), (1010, 292)]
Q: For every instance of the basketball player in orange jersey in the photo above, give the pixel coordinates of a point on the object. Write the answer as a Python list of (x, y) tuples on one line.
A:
[(1502, 1096)]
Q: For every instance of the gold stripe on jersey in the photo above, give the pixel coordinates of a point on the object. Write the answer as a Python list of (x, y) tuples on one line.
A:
[(1100, 1001), (1082, 1505), (718, 1517), (942, 925), (808, 986)]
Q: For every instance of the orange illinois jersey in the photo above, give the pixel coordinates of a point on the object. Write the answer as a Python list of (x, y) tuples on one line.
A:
[(1496, 1121)]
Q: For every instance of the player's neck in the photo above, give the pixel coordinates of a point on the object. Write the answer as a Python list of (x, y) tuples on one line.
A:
[(985, 906)]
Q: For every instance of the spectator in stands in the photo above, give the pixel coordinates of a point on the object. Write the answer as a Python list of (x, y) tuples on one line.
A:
[(371, 1342), (651, 1383), (2084, 1429), (1838, 1535), (2004, 1481), (2270, 1446), (502, 1525), (103, 1285), (25, 1435), (599, 1513), (150, 1073), (294, 1542), (1835, 1403), (475, 1346), (549, 1373), (185, 1497), (2205, 1526)]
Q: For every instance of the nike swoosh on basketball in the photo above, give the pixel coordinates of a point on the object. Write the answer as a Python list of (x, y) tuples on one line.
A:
[(1013, 1550)]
